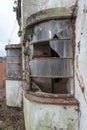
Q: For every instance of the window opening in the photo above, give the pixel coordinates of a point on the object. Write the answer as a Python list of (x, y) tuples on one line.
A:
[(51, 60)]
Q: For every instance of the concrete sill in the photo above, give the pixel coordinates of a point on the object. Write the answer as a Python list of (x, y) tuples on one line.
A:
[(51, 98)]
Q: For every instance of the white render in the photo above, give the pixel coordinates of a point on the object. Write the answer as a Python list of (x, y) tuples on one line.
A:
[(31, 6), (13, 93), (81, 61), (50, 117)]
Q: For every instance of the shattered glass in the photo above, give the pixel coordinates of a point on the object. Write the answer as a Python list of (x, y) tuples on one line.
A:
[(48, 30)]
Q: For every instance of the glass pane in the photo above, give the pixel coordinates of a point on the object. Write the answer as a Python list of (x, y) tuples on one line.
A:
[(62, 48), (14, 59), (51, 67), (14, 66), (14, 74), (14, 52), (56, 48), (48, 30)]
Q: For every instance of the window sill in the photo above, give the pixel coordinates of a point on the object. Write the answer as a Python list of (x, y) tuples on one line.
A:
[(45, 98)]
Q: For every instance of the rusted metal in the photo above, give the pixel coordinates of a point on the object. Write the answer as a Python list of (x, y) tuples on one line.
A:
[(46, 41), (43, 58), (40, 76), (73, 51)]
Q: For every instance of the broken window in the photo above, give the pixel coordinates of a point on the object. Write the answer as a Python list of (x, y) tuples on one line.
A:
[(51, 57), (14, 68)]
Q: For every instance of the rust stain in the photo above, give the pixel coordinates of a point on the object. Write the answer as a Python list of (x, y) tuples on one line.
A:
[(73, 43), (77, 65), (68, 101), (81, 82), (78, 46), (75, 8), (82, 85), (85, 9)]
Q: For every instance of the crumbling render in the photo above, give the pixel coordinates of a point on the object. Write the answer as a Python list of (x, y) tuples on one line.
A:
[(81, 84)]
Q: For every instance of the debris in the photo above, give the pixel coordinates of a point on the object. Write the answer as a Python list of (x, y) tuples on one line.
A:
[(10, 118)]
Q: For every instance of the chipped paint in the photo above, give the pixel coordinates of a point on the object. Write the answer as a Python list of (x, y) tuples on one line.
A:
[(13, 75), (32, 6), (48, 112), (13, 93), (78, 46), (45, 117), (53, 13), (80, 62), (81, 83)]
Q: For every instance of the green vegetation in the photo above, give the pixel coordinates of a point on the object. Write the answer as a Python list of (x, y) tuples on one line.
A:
[(15, 8), (20, 33), (26, 51)]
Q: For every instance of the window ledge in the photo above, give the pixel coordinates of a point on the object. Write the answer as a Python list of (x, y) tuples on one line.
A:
[(48, 14), (45, 98)]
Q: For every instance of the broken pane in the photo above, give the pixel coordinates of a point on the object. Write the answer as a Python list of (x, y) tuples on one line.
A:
[(63, 48), (53, 48), (47, 30), (42, 84), (39, 50), (61, 85)]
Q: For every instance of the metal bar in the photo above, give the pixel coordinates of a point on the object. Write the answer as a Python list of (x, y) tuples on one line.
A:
[(35, 76), (53, 58), (47, 41)]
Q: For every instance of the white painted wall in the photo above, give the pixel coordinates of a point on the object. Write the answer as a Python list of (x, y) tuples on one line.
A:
[(13, 93), (32, 6), (50, 117), (81, 61)]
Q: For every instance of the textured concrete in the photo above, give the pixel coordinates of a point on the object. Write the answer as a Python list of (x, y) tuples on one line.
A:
[(13, 93), (38, 110)]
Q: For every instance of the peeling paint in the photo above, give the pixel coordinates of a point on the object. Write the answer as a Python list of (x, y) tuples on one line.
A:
[(13, 93), (78, 46), (77, 64), (79, 55), (81, 83), (49, 117)]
